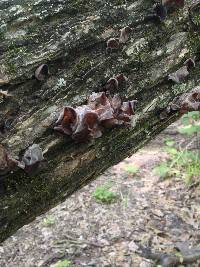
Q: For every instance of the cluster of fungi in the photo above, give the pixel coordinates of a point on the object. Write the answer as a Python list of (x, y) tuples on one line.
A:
[(89, 121), (116, 43), (183, 104), (187, 102), (181, 74), (102, 110), (30, 161)]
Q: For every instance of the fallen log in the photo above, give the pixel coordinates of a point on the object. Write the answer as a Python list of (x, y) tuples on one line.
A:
[(70, 38)]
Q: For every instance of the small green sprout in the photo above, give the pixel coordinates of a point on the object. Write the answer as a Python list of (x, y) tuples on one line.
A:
[(162, 170), (131, 169), (103, 195), (63, 263), (48, 221)]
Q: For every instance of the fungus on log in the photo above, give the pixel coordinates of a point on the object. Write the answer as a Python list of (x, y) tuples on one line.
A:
[(70, 39)]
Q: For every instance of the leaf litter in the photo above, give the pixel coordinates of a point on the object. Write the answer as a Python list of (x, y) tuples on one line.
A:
[(149, 216)]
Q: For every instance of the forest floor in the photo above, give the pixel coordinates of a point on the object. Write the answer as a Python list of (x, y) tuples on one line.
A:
[(144, 209)]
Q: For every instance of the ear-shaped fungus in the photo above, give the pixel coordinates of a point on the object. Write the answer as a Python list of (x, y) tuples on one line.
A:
[(112, 44), (126, 111), (112, 84), (180, 75), (106, 112), (124, 34), (97, 100), (67, 121), (42, 72), (191, 102), (81, 123), (87, 126), (115, 112), (32, 158), (121, 78), (190, 63), (100, 112), (185, 103)]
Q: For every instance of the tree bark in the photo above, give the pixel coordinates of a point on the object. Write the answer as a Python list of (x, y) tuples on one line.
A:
[(70, 36)]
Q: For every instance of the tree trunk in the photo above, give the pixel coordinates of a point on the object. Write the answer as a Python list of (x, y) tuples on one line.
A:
[(70, 36)]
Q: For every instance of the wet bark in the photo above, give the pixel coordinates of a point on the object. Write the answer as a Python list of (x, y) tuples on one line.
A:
[(70, 36)]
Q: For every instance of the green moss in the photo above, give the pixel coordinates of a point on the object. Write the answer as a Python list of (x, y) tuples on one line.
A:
[(82, 66), (197, 19), (194, 43), (75, 6), (13, 55), (2, 36), (179, 88)]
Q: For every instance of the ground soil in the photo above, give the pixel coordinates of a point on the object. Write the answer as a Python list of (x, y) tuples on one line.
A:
[(147, 211)]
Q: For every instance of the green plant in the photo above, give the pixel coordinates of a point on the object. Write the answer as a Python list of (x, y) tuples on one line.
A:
[(103, 195), (189, 162), (63, 263), (48, 221), (125, 199), (169, 142), (182, 163), (162, 170), (131, 169), (190, 123)]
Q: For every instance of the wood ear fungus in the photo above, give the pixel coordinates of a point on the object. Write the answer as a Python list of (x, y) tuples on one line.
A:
[(183, 104), (97, 100), (112, 44), (182, 73), (121, 78), (66, 121), (124, 34), (191, 101), (179, 75), (81, 123), (42, 72), (88, 121), (32, 158), (190, 63), (113, 83)]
